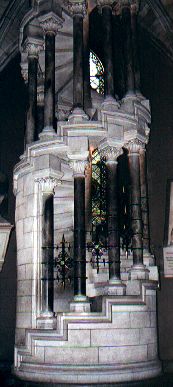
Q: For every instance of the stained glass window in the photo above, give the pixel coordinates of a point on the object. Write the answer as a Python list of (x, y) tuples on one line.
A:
[(96, 73)]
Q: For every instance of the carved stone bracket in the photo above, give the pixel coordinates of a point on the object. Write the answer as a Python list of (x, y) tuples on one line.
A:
[(51, 23), (111, 153), (135, 145), (47, 184), (77, 7)]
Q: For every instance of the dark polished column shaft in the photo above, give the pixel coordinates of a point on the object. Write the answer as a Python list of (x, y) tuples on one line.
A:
[(135, 48), (47, 282), (128, 50), (107, 47), (136, 214), (78, 60), (112, 219), (49, 86), (32, 99), (144, 201), (86, 73), (79, 237)]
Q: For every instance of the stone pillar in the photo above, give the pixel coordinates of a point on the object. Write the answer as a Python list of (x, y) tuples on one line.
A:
[(47, 185), (138, 270), (111, 154), (33, 51), (78, 10), (51, 25), (128, 49), (144, 202), (80, 303)]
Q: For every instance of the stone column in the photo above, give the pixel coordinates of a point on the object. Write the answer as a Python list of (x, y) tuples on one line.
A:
[(78, 10), (80, 303), (144, 202), (138, 270), (128, 48), (33, 51), (47, 249), (111, 154), (51, 25)]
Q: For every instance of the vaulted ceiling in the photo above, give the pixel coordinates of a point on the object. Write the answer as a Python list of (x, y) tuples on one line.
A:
[(155, 17)]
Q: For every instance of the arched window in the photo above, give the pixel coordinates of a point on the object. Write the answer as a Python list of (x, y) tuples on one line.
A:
[(96, 73)]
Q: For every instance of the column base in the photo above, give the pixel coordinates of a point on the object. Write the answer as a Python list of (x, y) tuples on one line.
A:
[(138, 272), (77, 116), (47, 321), (47, 133), (110, 104), (80, 304), (115, 287)]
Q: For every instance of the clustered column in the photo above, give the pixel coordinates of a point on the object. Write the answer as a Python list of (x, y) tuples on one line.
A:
[(33, 52), (128, 48), (50, 27)]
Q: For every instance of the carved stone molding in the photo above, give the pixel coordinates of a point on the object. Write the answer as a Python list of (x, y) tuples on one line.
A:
[(135, 145), (47, 184), (102, 3), (111, 153), (78, 167), (24, 72), (77, 7), (51, 23)]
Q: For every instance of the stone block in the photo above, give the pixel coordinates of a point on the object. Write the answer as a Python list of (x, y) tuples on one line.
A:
[(148, 336), (125, 354), (21, 272), (115, 337), (28, 240), (39, 353), (24, 288), (151, 303), (152, 351), (28, 224), (20, 336), (24, 304), (25, 256), (29, 271), (71, 355), (140, 319), (121, 320), (28, 185), (31, 206), (23, 320), (153, 319)]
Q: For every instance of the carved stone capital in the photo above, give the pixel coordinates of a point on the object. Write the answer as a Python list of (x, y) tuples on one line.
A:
[(78, 167), (111, 153), (135, 145), (51, 23), (77, 7), (133, 5), (102, 3), (33, 47), (47, 184)]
